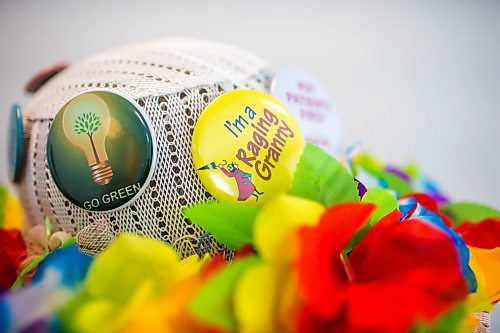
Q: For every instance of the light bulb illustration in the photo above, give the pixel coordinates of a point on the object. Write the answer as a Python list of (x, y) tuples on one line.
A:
[(86, 121)]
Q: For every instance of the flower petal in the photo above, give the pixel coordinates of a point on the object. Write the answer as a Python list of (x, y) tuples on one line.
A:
[(276, 221), (389, 307), (484, 234), (434, 219), (428, 203), (478, 301), (308, 321), (12, 253), (255, 299), (137, 259), (321, 274), (415, 256), (13, 218), (489, 261), (321, 281), (340, 222)]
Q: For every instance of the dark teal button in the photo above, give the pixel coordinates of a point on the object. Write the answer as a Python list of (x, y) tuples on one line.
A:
[(101, 150), (16, 143)]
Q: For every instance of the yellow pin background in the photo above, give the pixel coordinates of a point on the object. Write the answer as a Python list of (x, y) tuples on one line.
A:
[(246, 146)]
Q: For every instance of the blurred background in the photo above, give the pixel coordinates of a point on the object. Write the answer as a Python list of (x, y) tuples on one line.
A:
[(411, 80)]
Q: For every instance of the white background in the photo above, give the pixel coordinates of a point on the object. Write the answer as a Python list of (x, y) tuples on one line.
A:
[(412, 80)]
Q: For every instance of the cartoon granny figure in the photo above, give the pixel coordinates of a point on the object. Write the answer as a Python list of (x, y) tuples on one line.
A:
[(246, 188)]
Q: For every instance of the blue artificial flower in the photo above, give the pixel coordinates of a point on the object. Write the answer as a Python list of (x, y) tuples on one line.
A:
[(69, 262), (34, 308), (411, 209)]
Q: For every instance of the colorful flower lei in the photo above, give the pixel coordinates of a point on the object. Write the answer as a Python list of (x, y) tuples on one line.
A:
[(353, 247)]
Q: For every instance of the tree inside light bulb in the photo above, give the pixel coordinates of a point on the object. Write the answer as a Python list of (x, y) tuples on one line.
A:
[(86, 121)]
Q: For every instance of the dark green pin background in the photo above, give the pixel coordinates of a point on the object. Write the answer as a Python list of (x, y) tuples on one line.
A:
[(130, 155)]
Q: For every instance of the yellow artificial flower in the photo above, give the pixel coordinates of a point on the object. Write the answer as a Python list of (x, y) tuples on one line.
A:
[(168, 315), (274, 229), (134, 275), (255, 299), (477, 301), (13, 216), (267, 296), (488, 261)]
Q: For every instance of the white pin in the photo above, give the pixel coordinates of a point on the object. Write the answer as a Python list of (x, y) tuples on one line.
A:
[(311, 106)]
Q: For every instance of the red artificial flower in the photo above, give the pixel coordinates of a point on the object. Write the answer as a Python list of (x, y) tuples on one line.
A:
[(484, 234), (218, 262), (215, 264), (399, 273), (12, 253)]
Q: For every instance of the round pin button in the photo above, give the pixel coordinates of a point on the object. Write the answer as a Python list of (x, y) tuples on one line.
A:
[(40, 78), (246, 146), (101, 150), (16, 143), (308, 102)]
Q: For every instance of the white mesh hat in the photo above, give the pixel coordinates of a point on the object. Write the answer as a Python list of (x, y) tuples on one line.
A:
[(173, 81)]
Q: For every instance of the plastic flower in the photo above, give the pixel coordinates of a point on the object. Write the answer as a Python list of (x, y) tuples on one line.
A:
[(266, 296), (488, 261), (428, 203), (12, 253), (13, 213), (56, 280), (133, 275), (373, 173), (429, 187), (484, 234), (169, 313), (477, 301), (423, 208), (398, 274), (276, 225), (483, 239)]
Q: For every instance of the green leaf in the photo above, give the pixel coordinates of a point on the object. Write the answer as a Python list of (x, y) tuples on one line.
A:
[(376, 169), (32, 265), (212, 304), (449, 322), (4, 195), (368, 164), (48, 232), (87, 123), (231, 224), (385, 200), (358, 236), (395, 183), (467, 211), (412, 170), (322, 178), (386, 203)]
